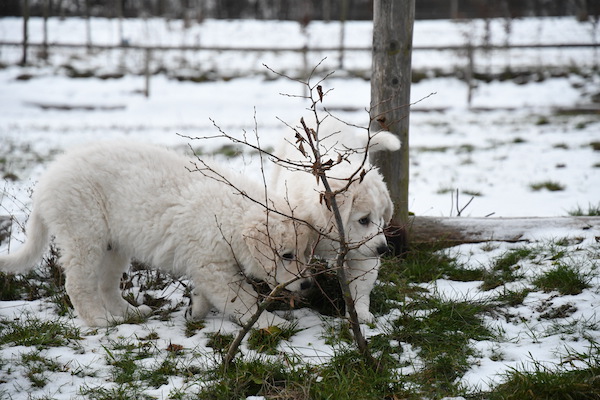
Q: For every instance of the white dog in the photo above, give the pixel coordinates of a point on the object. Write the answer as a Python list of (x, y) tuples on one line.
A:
[(365, 205), (108, 203)]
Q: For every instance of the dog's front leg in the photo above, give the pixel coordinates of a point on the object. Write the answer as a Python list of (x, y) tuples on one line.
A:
[(362, 274), (226, 289), (200, 305)]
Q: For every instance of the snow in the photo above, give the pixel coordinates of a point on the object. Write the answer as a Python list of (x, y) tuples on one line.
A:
[(511, 138)]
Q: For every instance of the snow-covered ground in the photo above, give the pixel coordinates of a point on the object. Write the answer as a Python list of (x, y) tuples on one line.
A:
[(493, 155)]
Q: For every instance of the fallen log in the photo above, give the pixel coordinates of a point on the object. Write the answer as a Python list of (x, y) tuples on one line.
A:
[(451, 231)]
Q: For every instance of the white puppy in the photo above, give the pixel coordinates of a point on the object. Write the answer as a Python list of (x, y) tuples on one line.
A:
[(110, 202), (365, 206)]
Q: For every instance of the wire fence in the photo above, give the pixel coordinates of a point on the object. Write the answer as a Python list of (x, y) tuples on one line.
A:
[(201, 63)]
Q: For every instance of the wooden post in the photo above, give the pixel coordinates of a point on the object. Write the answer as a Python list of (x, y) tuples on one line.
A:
[(148, 57), (390, 99), (343, 17), (469, 73), (44, 53), (25, 31), (88, 26)]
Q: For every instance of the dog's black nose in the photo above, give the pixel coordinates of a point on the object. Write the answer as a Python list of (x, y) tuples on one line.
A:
[(381, 250), (306, 284)]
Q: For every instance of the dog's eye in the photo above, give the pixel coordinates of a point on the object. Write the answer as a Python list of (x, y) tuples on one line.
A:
[(288, 256), (364, 221)]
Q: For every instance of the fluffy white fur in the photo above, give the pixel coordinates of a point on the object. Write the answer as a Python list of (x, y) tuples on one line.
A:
[(110, 202), (365, 206)]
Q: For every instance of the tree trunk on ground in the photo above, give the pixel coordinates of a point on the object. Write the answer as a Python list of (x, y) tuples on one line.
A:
[(446, 232), (452, 231), (390, 98)]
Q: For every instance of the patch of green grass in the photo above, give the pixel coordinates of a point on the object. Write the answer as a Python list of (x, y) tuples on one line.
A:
[(593, 210), (513, 298), (219, 342), (266, 340), (583, 124), (258, 377), (122, 357), (565, 279), (544, 382), (398, 277), (474, 193), (37, 368), (228, 150), (346, 376), (568, 241), (542, 120), (158, 374), (31, 331), (442, 331), (424, 265), (129, 362), (118, 392), (445, 190), (551, 186), (338, 332), (465, 148), (433, 149), (505, 268), (192, 327), (511, 258), (46, 281)]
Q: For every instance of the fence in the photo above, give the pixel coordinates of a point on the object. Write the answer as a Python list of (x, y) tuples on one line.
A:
[(464, 57)]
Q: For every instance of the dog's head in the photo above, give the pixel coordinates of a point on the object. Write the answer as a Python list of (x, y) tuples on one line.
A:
[(281, 248), (366, 208), (365, 205)]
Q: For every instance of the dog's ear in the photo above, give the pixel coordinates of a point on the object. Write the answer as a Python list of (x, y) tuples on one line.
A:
[(344, 202), (384, 197), (258, 238)]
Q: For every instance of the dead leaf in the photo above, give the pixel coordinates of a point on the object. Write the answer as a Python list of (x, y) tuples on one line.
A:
[(362, 175), (301, 148), (174, 348), (299, 138)]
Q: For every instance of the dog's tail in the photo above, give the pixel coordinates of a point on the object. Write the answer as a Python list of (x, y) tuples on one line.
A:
[(31, 251), (384, 141)]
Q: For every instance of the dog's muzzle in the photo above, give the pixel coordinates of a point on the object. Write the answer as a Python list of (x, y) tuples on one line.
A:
[(306, 284), (381, 250)]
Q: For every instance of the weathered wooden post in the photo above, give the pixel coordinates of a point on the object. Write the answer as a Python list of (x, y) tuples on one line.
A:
[(25, 31), (393, 22), (45, 12), (147, 59)]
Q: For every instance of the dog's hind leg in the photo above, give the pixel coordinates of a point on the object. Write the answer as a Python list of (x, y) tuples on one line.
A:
[(81, 269), (200, 306), (111, 269)]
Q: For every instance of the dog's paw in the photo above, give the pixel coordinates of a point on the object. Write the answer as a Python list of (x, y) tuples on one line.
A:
[(143, 310), (192, 314)]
